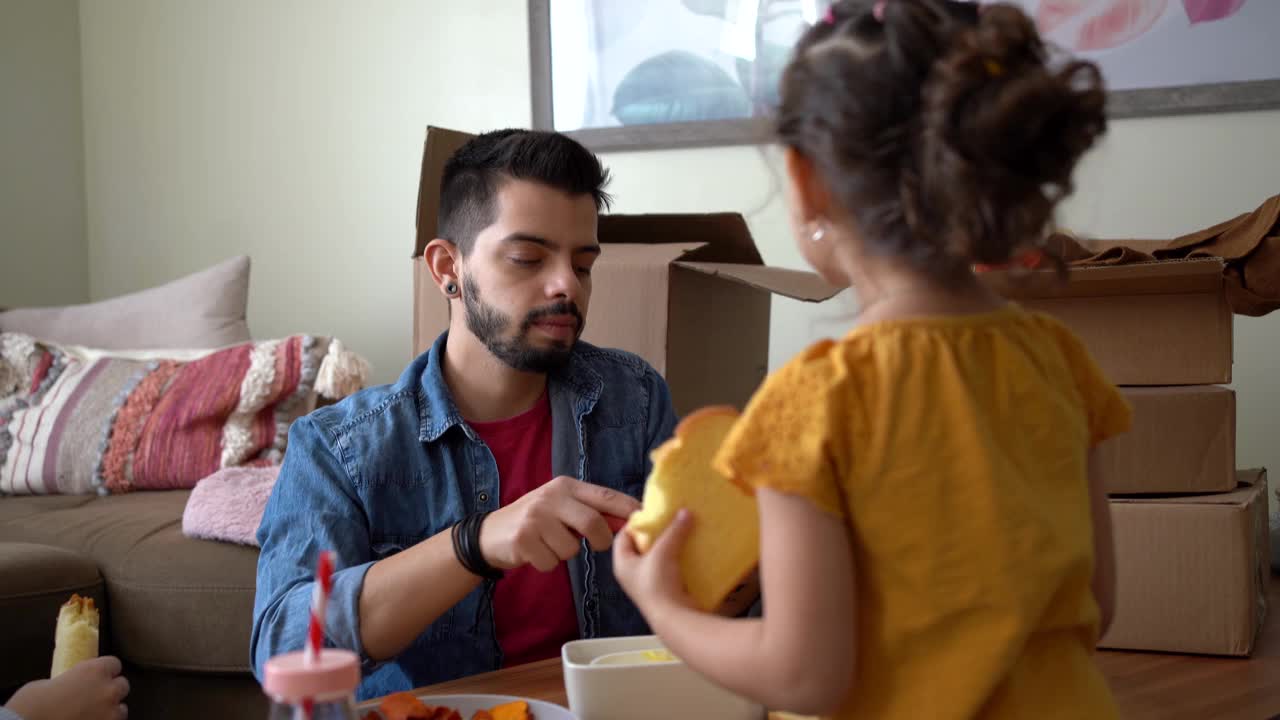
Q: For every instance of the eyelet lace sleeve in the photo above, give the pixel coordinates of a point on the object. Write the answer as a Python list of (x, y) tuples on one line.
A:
[(786, 438)]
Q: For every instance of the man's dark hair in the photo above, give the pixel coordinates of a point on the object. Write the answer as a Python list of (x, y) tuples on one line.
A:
[(469, 188)]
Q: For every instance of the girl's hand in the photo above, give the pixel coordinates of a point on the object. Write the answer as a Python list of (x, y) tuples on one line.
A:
[(653, 580), (91, 690)]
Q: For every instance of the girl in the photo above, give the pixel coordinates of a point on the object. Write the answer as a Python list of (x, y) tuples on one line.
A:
[(933, 545)]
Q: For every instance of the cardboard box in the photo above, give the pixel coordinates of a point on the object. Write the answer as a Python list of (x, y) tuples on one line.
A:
[(1183, 441), (1192, 571), (688, 293), (1157, 323)]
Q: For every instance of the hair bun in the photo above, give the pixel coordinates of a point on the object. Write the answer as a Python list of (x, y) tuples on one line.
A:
[(1002, 131)]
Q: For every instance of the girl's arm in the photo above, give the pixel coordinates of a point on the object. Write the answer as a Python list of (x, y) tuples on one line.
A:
[(1104, 551), (800, 656)]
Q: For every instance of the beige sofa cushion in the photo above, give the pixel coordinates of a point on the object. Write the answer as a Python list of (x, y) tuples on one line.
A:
[(203, 310), (172, 602)]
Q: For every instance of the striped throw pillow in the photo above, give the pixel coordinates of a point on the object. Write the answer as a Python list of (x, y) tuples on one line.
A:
[(76, 420)]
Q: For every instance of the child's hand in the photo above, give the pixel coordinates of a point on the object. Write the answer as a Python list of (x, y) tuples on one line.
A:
[(652, 580), (92, 690)]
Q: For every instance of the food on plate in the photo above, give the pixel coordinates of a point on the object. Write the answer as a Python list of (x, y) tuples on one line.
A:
[(724, 547), (76, 637), (659, 656), (407, 706), (518, 710), (636, 657)]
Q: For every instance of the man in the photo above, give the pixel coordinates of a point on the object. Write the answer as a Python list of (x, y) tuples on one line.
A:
[(503, 452)]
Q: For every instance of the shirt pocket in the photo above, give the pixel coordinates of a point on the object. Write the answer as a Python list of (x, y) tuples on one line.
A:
[(633, 485), (617, 456)]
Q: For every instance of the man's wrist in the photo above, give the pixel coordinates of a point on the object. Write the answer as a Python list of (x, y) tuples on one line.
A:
[(466, 546)]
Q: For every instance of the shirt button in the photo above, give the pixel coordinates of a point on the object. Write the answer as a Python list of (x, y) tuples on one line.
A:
[(484, 497)]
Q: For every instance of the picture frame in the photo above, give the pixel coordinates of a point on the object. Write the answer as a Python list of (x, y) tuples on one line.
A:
[(751, 129), (1171, 66), (1171, 57)]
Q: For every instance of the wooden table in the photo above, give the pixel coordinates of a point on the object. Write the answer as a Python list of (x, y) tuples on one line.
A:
[(1153, 686)]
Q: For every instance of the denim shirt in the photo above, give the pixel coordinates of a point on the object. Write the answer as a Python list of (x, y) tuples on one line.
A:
[(393, 465)]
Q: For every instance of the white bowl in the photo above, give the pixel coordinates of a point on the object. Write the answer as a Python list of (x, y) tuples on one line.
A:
[(643, 690)]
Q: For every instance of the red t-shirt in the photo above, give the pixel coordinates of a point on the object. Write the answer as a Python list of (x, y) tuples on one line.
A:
[(534, 611)]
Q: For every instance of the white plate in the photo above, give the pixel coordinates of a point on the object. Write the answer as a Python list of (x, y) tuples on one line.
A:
[(466, 705)]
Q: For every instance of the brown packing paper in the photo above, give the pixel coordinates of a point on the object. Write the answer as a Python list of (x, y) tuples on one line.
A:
[(1182, 441), (1249, 245), (1192, 571)]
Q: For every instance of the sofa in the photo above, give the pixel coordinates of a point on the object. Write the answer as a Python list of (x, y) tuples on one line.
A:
[(177, 611)]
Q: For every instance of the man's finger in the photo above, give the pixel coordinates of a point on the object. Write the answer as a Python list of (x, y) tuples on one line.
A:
[(588, 523), (605, 501), (562, 542), (674, 537), (542, 557)]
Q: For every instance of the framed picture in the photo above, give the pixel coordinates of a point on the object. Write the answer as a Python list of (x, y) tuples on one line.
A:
[(1170, 57), (640, 74), (645, 74)]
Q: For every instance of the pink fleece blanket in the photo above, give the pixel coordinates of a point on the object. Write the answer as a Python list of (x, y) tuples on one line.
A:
[(228, 504)]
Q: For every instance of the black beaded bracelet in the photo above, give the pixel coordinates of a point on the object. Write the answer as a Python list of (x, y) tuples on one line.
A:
[(466, 546)]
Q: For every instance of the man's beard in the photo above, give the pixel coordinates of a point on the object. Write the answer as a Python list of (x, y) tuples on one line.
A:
[(490, 325)]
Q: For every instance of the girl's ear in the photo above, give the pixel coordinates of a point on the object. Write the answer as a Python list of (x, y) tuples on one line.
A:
[(807, 191)]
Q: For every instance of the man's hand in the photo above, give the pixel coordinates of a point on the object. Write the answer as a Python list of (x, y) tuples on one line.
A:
[(543, 527)]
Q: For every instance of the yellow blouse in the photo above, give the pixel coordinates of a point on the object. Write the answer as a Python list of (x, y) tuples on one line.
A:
[(955, 448)]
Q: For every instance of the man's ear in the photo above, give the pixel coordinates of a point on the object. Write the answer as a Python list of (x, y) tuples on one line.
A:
[(810, 198), (444, 260)]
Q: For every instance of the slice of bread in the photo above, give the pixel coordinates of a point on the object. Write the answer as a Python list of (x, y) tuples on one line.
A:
[(724, 546), (76, 637)]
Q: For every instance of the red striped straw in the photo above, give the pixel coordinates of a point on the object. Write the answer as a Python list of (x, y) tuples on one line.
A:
[(315, 630), (319, 602)]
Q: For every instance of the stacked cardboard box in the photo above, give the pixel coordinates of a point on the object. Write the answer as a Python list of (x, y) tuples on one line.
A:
[(1190, 531)]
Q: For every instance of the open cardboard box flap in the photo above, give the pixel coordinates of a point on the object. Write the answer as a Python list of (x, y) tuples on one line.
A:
[(436, 150), (723, 237), (794, 284)]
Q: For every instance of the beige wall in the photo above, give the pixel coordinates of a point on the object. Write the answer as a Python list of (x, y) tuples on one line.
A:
[(291, 130), (43, 260)]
